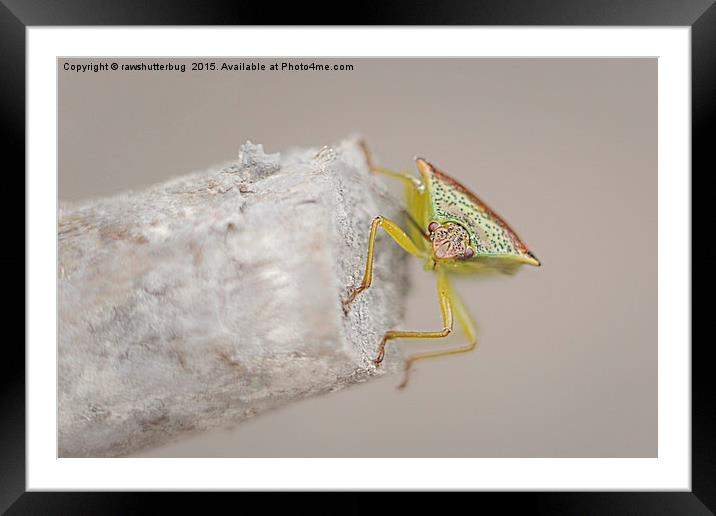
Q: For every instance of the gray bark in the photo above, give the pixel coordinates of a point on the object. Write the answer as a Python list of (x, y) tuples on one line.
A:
[(206, 300)]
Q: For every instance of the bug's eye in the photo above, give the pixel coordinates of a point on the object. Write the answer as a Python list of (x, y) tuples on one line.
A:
[(433, 226), (469, 253)]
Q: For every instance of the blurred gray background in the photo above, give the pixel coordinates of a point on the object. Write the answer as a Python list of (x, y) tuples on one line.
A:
[(564, 149)]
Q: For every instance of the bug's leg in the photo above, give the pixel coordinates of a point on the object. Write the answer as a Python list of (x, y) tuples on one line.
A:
[(466, 323), (396, 234), (446, 310), (411, 180)]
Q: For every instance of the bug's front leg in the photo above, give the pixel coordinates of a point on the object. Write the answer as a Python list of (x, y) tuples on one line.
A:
[(397, 234), (446, 311), (454, 304)]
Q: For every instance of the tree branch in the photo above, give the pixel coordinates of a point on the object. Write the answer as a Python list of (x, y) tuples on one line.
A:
[(206, 300)]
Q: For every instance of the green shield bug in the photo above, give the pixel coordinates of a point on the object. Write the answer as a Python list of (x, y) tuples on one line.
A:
[(452, 231)]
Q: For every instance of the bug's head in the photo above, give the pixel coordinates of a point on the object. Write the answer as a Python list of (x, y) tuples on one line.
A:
[(450, 241)]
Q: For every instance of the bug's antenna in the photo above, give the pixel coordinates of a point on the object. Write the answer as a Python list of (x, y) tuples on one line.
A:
[(410, 218), (372, 167), (415, 223)]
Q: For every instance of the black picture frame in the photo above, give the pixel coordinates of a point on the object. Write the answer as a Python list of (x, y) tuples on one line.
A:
[(16, 15)]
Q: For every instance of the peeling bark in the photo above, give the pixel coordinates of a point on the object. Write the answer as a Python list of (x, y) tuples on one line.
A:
[(206, 300)]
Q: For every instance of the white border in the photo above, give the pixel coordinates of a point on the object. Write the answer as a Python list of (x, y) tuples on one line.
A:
[(670, 471)]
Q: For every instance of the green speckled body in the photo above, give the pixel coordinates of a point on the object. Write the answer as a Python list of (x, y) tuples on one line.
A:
[(442, 199), (452, 230)]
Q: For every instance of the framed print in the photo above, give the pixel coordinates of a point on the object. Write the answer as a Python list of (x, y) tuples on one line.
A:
[(216, 300)]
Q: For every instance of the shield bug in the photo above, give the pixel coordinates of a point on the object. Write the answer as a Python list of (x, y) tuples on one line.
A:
[(452, 231)]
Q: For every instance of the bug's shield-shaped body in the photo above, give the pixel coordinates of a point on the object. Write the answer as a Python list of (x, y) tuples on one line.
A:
[(452, 230), (466, 223)]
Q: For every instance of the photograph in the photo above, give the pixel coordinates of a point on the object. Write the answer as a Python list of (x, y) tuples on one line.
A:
[(357, 257), (422, 249)]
